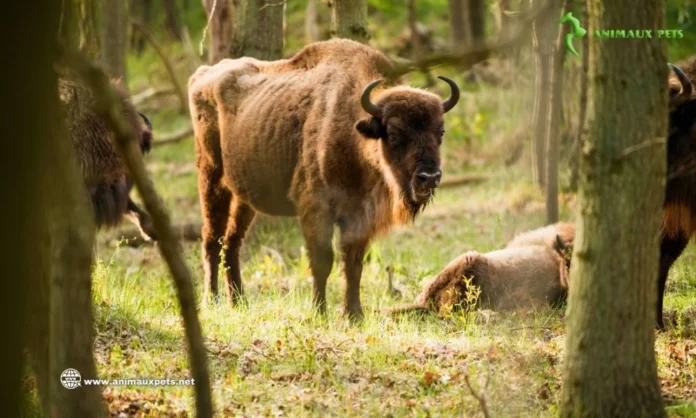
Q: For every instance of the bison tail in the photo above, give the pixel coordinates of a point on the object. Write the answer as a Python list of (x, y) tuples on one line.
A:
[(110, 202)]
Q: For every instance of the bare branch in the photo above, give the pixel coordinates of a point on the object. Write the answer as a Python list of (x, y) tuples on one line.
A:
[(480, 395), (148, 94), (466, 179), (645, 144), (205, 29), (178, 87), (107, 106), (190, 232), (466, 58), (282, 3), (173, 137)]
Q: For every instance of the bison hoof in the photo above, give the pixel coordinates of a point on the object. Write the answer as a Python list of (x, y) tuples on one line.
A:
[(354, 314)]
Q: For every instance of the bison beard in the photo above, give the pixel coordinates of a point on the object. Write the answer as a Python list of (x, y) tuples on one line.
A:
[(531, 271), (679, 210), (104, 174), (303, 137)]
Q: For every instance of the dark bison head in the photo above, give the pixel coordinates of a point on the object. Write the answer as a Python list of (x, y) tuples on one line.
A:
[(681, 143), (409, 123), (145, 134)]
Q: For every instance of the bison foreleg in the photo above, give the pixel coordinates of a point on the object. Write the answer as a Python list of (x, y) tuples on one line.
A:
[(215, 208), (142, 220), (240, 219), (670, 250), (318, 232), (353, 254)]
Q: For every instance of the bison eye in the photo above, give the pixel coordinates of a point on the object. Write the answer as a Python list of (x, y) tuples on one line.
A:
[(393, 138)]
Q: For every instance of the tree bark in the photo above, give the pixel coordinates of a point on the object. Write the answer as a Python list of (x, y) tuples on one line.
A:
[(259, 30), (140, 11), (114, 38), (582, 112), (610, 368), (25, 260), (349, 20), (311, 24), (173, 20), (78, 25), (221, 20)]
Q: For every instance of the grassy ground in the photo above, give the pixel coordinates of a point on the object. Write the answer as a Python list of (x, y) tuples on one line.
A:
[(275, 357)]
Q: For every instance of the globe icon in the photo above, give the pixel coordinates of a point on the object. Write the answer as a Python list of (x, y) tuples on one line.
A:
[(70, 378)]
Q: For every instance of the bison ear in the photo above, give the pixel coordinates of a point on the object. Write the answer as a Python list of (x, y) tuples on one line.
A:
[(370, 128)]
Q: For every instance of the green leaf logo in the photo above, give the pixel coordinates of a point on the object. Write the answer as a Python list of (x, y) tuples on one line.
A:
[(576, 31)]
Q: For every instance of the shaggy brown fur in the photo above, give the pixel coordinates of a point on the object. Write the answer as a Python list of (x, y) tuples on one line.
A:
[(103, 172), (290, 138), (679, 210), (531, 271)]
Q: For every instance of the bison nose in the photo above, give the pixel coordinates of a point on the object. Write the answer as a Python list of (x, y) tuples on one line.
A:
[(428, 180)]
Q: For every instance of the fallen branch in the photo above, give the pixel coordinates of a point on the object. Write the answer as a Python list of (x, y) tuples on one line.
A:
[(107, 107), (466, 58), (463, 180), (150, 93), (178, 87), (173, 137), (480, 395), (133, 238)]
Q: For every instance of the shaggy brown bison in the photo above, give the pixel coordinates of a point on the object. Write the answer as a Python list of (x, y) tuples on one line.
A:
[(317, 136), (679, 210), (531, 271), (104, 174)]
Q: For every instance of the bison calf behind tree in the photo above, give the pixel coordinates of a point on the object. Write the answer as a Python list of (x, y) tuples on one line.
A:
[(104, 174), (679, 210), (303, 137), (531, 271)]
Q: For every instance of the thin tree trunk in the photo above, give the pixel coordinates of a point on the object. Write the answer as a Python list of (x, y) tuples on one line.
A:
[(460, 34), (311, 25), (173, 20), (349, 20), (141, 11), (477, 20), (582, 112), (259, 30), (221, 17), (114, 38), (107, 107), (610, 368)]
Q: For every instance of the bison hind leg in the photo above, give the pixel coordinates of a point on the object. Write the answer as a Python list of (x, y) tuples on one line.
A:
[(110, 202), (240, 218), (318, 233)]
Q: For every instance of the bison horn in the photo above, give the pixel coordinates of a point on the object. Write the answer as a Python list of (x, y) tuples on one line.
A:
[(686, 86), (451, 101), (146, 120), (370, 107)]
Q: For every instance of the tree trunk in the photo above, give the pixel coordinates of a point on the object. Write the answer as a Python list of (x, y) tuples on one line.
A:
[(460, 34), (220, 20), (259, 30), (349, 20), (24, 261), (311, 24), (114, 38), (477, 20), (582, 112), (173, 21), (610, 368), (553, 129), (78, 25)]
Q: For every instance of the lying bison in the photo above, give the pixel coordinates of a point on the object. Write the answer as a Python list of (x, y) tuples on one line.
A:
[(304, 137), (531, 271), (104, 174), (679, 210)]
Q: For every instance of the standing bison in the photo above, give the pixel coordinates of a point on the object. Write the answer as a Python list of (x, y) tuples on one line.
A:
[(679, 211), (317, 136), (105, 176)]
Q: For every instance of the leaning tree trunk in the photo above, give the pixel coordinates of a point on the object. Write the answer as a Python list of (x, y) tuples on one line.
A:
[(258, 30), (113, 39), (610, 368), (349, 20), (24, 259), (220, 19), (477, 20)]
